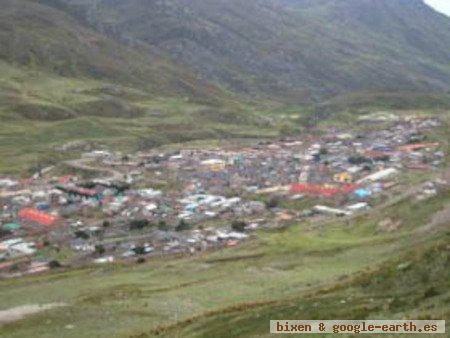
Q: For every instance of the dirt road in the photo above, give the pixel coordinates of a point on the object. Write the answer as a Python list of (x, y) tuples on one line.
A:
[(86, 164)]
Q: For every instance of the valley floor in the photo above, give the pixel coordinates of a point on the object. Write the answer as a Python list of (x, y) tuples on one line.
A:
[(348, 268), (336, 270)]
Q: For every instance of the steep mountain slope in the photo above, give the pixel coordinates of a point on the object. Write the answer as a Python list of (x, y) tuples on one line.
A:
[(103, 70), (62, 81), (299, 50), (43, 37)]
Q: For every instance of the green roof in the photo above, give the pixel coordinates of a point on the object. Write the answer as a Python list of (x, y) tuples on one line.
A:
[(11, 226)]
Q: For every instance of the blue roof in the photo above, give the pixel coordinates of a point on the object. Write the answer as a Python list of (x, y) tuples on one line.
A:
[(11, 226), (362, 193)]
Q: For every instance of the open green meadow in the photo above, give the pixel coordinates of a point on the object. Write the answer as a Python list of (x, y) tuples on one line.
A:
[(335, 269), (39, 113)]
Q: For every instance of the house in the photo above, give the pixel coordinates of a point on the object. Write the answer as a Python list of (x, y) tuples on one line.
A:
[(213, 165), (321, 190), (344, 177), (37, 216), (379, 175), (11, 226), (331, 211), (358, 206)]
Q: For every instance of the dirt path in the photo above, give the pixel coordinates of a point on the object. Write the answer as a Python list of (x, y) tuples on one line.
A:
[(20, 312), (86, 164)]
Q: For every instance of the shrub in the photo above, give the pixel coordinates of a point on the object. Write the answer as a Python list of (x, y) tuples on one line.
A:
[(138, 224), (81, 234), (4, 232), (238, 226), (274, 202), (182, 225), (139, 250), (162, 225), (54, 264), (99, 249)]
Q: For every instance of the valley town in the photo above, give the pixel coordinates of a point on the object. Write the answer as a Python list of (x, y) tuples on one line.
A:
[(132, 207)]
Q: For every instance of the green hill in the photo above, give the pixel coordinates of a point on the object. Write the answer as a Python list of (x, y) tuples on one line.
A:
[(62, 81), (294, 50), (48, 39), (41, 111), (135, 73)]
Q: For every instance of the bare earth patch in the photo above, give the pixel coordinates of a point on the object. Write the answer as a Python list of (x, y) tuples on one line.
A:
[(20, 312)]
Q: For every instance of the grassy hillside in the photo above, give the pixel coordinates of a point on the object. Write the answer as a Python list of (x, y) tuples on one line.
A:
[(294, 50), (40, 112), (46, 38), (70, 70), (338, 269), (61, 81), (414, 285), (364, 101)]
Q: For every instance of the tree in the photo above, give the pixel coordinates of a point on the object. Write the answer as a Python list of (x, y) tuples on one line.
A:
[(238, 226), (183, 225), (274, 202), (100, 249), (138, 224), (139, 250), (54, 264), (162, 225), (81, 234)]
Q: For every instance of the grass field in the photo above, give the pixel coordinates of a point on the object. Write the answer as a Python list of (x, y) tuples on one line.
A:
[(40, 112), (340, 269)]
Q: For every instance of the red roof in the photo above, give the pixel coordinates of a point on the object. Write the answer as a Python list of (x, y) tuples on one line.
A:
[(417, 146), (375, 154), (65, 179), (79, 190), (321, 190), (84, 191), (37, 216)]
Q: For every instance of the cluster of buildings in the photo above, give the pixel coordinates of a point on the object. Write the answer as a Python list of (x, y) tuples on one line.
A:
[(190, 200)]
